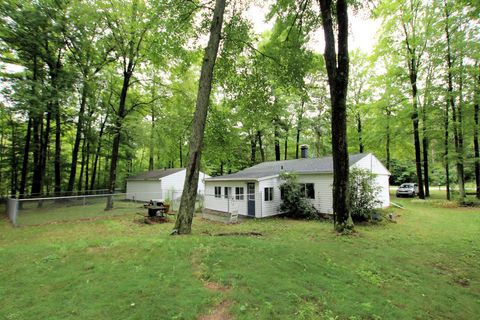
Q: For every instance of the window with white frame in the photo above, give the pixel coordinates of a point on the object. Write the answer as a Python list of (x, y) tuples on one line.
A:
[(227, 192), (218, 192), (268, 194), (239, 193)]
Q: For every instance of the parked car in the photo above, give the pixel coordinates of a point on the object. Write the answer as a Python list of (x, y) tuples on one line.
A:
[(407, 190)]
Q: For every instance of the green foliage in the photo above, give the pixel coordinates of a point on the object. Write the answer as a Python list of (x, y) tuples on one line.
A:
[(363, 194), (294, 204)]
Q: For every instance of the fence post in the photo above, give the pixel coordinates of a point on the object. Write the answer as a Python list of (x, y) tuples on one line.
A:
[(12, 209)]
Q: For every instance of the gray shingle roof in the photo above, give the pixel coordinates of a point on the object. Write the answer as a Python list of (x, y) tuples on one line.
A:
[(272, 168), (155, 174)]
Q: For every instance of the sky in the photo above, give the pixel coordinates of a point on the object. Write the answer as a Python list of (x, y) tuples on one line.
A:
[(362, 29)]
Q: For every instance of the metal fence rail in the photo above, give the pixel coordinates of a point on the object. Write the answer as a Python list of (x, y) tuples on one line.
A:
[(37, 211)]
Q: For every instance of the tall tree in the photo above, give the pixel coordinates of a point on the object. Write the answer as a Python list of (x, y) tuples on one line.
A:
[(85, 41), (415, 44), (183, 224), (337, 64)]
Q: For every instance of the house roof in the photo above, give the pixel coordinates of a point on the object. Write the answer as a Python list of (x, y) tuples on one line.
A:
[(274, 168), (154, 174)]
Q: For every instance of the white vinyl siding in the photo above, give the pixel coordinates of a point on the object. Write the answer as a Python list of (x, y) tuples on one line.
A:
[(144, 190), (223, 204), (168, 187)]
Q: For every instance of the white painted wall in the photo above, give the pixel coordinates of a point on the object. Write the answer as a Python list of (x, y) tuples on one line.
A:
[(323, 201), (370, 162), (384, 196), (172, 185), (144, 190), (231, 204), (270, 208), (168, 187)]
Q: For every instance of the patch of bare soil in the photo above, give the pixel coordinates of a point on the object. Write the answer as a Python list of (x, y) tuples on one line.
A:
[(223, 234), (221, 310), (219, 313)]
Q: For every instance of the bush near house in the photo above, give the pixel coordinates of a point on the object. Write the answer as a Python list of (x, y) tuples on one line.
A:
[(294, 204), (363, 194)]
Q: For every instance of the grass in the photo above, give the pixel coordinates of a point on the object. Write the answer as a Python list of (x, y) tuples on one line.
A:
[(35, 212), (425, 266)]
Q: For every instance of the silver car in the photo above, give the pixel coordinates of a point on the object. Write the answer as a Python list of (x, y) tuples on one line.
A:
[(407, 190)]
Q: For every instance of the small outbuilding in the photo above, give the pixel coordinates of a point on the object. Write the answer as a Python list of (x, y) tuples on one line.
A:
[(255, 191), (160, 184)]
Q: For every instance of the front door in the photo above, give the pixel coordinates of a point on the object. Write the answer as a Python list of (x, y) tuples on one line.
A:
[(251, 199)]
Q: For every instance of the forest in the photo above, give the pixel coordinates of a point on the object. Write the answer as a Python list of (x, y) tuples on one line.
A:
[(95, 91)]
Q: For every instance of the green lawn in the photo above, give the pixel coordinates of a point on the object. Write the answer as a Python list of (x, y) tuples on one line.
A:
[(426, 266), (34, 212)]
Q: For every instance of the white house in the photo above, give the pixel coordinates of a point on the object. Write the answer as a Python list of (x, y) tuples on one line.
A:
[(160, 184), (255, 191)]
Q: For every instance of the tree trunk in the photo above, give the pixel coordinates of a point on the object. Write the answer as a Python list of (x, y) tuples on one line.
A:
[(318, 141), (13, 161), (277, 140), (152, 142), (359, 132), (299, 129), (87, 165), (297, 142), (476, 150), (416, 135), (82, 167), (78, 137), (338, 82), (37, 147), (387, 142), (260, 145), (475, 135), (461, 150), (285, 146), (58, 151), (44, 149), (97, 153), (116, 139), (26, 151), (183, 224), (253, 150), (425, 151), (456, 137), (181, 153), (445, 155)]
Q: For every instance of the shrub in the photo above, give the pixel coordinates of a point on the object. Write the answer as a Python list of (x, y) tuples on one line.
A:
[(363, 194), (294, 204)]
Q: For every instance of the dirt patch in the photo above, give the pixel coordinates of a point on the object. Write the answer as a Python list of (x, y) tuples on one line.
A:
[(96, 249), (221, 310), (464, 282), (215, 286), (224, 234), (219, 313)]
